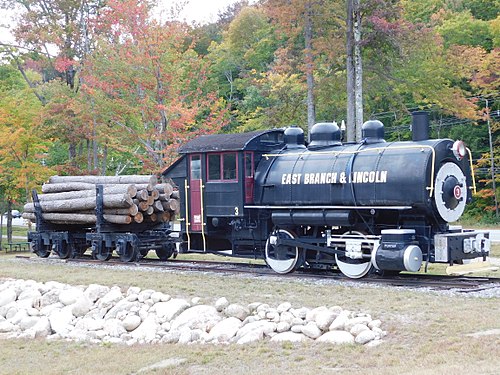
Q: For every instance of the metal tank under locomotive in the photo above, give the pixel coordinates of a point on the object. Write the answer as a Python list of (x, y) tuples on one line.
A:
[(356, 206)]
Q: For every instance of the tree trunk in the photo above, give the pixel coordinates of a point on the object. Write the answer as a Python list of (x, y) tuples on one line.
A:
[(351, 75), (9, 220), (358, 71), (308, 35)]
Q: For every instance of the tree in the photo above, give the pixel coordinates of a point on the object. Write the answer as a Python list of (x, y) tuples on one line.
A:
[(310, 30), (148, 85), (55, 35), (21, 147)]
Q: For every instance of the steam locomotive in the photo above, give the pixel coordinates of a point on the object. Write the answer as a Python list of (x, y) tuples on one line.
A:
[(324, 204), (373, 205)]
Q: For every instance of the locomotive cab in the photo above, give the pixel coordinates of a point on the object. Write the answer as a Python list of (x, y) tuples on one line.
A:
[(215, 176)]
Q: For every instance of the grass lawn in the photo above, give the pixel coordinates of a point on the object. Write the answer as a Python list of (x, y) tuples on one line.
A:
[(428, 332)]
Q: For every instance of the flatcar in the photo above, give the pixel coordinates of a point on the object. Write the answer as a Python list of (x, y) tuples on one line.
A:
[(372, 206)]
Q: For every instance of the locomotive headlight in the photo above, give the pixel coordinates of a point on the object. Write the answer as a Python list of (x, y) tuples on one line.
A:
[(459, 150)]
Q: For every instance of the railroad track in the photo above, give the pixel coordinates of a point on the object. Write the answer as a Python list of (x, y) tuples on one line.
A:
[(464, 284)]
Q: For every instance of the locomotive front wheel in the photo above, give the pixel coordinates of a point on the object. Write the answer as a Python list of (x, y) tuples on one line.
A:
[(282, 258), (126, 251), (354, 268)]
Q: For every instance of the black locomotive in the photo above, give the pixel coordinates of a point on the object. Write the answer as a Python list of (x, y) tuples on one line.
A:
[(373, 205), (358, 206)]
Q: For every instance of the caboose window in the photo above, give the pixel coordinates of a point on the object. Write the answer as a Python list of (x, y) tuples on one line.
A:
[(222, 167)]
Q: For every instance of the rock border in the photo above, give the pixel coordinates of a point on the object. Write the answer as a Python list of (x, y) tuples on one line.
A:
[(101, 314)]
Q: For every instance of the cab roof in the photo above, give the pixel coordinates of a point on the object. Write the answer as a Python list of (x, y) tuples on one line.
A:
[(256, 140)]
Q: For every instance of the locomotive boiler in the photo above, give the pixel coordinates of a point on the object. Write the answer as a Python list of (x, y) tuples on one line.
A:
[(373, 205)]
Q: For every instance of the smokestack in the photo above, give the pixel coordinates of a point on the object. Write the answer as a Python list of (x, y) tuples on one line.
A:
[(420, 126)]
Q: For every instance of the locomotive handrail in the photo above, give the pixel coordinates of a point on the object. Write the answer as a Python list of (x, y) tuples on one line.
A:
[(472, 171), (377, 149)]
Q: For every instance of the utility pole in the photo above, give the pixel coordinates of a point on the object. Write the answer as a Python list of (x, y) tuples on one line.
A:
[(492, 158)]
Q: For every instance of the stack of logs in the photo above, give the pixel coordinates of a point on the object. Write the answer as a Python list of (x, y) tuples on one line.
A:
[(71, 200)]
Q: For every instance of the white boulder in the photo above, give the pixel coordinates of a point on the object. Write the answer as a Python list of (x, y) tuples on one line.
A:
[(203, 317), (170, 309), (337, 337), (237, 311), (225, 330)]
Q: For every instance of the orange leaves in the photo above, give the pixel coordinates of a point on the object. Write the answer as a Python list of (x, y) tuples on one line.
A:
[(63, 64)]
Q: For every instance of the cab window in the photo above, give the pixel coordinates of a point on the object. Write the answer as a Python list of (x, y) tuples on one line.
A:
[(222, 166)]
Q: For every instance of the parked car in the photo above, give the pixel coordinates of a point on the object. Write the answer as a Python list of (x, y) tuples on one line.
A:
[(15, 214)]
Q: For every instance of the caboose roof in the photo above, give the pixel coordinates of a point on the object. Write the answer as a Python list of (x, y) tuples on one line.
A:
[(232, 142)]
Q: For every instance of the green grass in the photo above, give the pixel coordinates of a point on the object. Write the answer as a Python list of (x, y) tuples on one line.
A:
[(427, 331), (16, 231)]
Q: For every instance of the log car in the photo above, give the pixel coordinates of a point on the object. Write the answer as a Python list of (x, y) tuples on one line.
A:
[(358, 207), (70, 239)]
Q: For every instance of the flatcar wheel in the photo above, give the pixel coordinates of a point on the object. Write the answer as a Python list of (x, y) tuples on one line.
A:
[(353, 268), (62, 249), (126, 251), (101, 252), (165, 252), (43, 251), (282, 258)]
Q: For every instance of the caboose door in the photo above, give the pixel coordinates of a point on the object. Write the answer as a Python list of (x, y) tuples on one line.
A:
[(195, 197)]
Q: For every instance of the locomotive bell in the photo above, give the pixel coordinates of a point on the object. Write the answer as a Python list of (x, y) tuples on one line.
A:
[(372, 131), (324, 134)]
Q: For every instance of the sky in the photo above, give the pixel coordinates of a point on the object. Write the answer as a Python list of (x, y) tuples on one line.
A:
[(202, 11)]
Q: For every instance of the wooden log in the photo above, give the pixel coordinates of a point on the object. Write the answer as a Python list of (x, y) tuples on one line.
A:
[(150, 200), (139, 217), (150, 210), (79, 219), (175, 194), (143, 206), (165, 188), (63, 218), (142, 195), (171, 205), (155, 194), (107, 180), (108, 189), (132, 210), (118, 219), (81, 204), (165, 217), (70, 186), (153, 218), (158, 207)]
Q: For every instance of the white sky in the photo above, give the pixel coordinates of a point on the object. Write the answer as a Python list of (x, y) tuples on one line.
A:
[(202, 11)]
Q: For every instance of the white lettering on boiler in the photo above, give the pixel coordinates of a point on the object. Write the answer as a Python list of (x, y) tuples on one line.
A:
[(364, 177)]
